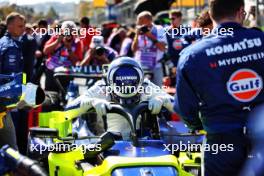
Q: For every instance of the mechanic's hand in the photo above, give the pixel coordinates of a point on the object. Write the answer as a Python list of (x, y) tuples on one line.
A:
[(155, 104), (101, 106), (138, 31)]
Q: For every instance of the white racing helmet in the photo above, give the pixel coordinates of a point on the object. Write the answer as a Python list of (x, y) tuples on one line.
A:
[(124, 76)]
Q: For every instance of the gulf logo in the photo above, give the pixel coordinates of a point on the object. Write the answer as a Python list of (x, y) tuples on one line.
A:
[(177, 44), (244, 85)]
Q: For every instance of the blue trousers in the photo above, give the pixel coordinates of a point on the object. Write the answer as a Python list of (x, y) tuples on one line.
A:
[(225, 163)]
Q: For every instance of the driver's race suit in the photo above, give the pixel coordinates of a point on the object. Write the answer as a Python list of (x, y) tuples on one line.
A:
[(116, 123), (219, 80)]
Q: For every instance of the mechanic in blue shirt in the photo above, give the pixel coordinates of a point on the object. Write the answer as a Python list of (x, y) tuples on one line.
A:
[(11, 61), (219, 80), (11, 57), (174, 34)]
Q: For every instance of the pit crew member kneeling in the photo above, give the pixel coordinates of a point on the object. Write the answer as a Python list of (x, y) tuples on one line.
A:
[(126, 86)]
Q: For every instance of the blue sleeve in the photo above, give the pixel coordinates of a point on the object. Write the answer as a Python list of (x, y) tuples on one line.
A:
[(186, 101), (112, 55), (1, 59)]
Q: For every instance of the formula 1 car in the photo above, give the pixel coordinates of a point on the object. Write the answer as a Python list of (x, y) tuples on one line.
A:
[(108, 154)]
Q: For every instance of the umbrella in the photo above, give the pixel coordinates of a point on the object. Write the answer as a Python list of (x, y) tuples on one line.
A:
[(154, 6)]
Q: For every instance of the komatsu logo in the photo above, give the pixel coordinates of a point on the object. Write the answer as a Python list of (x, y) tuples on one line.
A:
[(244, 85), (234, 47)]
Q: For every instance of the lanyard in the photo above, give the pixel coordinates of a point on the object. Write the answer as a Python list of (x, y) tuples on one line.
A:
[(145, 41)]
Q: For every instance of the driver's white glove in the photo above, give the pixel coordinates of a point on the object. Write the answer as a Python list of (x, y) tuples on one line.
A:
[(85, 103), (155, 104), (101, 106)]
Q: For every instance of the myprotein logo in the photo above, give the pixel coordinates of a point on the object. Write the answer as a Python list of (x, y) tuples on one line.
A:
[(244, 85)]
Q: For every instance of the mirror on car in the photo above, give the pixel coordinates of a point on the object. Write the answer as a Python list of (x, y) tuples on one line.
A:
[(32, 95)]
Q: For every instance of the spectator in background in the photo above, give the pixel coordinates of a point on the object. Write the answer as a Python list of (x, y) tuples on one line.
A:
[(3, 29), (126, 49), (98, 53), (112, 33), (205, 22), (108, 28), (116, 39), (175, 45), (29, 47), (42, 33), (64, 49), (194, 21), (149, 45), (174, 38), (251, 18), (42, 37), (87, 32), (11, 61), (204, 26), (29, 29), (35, 26)]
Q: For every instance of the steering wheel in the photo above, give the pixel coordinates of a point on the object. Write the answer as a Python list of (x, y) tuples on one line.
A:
[(148, 121)]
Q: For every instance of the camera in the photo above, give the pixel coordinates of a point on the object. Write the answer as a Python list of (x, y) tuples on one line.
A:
[(144, 29), (99, 50), (68, 36)]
